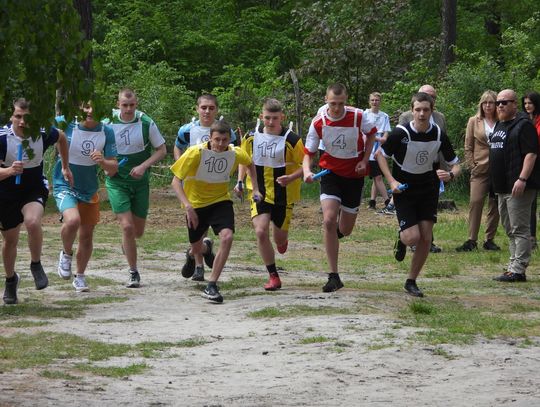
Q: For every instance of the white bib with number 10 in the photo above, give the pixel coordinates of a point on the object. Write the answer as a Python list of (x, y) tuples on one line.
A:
[(215, 167)]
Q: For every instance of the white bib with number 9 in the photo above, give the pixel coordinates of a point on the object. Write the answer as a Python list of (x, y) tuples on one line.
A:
[(215, 167), (83, 143)]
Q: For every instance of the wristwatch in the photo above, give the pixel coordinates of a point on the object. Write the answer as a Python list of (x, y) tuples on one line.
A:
[(451, 175)]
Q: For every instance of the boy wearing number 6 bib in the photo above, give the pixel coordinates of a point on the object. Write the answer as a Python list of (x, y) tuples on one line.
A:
[(201, 184), (91, 144), (277, 154), (342, 129)]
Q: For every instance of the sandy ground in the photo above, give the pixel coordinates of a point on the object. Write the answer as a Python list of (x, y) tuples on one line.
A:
[(261, 362)]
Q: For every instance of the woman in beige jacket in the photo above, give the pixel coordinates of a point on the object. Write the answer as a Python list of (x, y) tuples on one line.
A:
[(479, 127)]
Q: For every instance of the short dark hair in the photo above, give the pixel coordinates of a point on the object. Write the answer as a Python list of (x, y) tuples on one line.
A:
[(126, 92), (534, 97), (422, 97), (220, 126), (207, 96), (337, 89), (21, 103), (272, 105)]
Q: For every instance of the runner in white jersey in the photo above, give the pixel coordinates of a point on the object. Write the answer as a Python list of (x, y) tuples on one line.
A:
[(24, 192)]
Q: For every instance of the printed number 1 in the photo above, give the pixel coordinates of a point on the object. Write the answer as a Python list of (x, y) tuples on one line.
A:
[(125, 135)]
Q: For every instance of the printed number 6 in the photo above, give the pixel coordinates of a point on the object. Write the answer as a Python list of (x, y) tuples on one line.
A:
[(422, 157)]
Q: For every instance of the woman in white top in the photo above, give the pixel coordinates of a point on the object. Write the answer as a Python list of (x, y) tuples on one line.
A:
[(479, 128)]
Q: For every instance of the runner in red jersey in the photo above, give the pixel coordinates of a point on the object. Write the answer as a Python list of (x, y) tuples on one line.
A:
[(347, 136)]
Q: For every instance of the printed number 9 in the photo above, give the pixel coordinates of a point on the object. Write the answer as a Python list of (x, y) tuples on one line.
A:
[(87, 147)]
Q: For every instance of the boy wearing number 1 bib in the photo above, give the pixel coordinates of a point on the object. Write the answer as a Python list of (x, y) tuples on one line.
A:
[(201, 183), (342, 129), (91, 144), (277, 154)]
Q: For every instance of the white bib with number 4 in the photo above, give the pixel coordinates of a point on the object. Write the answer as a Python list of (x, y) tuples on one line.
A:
[(340, 142)]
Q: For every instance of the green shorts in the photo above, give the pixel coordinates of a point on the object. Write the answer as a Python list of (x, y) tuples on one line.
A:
[(127, 197)]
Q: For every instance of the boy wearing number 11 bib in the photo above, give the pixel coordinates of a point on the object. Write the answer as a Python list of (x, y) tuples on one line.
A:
[(201, 183), (342, 129), (277, 154)]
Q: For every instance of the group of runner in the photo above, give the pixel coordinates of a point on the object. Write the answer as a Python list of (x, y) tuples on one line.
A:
[(272, 156)]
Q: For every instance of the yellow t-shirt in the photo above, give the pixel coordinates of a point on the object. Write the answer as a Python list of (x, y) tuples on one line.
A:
[(294, 154), (189, 168)]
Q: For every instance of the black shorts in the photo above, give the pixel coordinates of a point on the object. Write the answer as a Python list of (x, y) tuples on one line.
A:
[(416, 204), (219, 216), (374, 169), (348, 191), (280, 215), (11, 208)]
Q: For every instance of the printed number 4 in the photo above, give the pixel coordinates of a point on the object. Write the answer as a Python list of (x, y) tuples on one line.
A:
[(339, 142)]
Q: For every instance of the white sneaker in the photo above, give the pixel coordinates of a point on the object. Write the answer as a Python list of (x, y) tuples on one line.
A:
[(79, 283), (64, 265)]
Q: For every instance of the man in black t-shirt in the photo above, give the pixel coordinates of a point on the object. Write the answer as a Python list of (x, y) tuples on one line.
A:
[(513, 147), (414, 148)]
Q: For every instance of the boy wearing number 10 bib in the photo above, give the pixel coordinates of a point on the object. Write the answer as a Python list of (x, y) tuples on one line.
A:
[(342, 129), (277, 154), (201, 183)]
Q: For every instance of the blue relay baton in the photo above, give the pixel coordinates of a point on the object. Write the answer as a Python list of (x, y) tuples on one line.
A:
[(401, 187), (19, 158), (122, 162), (441, 187), (320, 174)]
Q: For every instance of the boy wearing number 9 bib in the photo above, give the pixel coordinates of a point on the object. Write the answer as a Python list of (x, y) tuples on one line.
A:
[(277, 154), (91, 144), (201, 184)]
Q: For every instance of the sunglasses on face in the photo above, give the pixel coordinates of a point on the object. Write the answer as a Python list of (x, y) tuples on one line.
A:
[(503, 102)]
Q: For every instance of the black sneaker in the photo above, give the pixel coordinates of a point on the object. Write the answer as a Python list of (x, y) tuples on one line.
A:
[(372, 204), (509, 277), (490, 245), (412, 289), (189, 266), (400, 250), (468, 246), (199, 274), (208, 255), (10, 291), (40, 278), (333, 284), (134, 280), (211, 292), (434, 248)]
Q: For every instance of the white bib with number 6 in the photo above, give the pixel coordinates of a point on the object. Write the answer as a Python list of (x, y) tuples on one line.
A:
[(420, 155), (83, 143), (215, 167)]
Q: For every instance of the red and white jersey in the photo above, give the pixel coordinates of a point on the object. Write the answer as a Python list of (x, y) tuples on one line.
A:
[(343, 140)]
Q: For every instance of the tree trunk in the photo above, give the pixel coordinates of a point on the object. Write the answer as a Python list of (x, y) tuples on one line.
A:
[(84, 8), (298, 102), (449, 22)]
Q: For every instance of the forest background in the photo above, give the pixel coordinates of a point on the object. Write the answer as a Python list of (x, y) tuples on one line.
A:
[(170, 51)]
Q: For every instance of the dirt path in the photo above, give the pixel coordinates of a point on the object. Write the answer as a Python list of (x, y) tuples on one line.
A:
[(366, 359)]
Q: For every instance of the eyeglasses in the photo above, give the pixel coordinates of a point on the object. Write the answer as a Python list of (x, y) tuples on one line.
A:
[(503, 102)]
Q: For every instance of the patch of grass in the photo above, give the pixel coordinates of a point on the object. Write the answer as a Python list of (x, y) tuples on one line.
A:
[(239, 283), (314, 339), (441, 352), (298, 311), (26, 324), (150, 349), (114, 371), (84, 301), (118, 320), (453, 322), (380, 345), (58, 374), (23, 351)]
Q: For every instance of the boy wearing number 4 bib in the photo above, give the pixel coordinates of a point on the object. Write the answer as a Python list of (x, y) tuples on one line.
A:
[(201, 184), (342, 129), (277, 154), (91, 144)]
